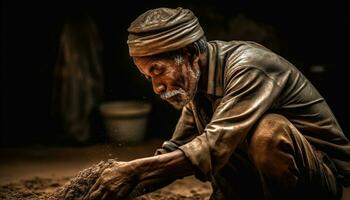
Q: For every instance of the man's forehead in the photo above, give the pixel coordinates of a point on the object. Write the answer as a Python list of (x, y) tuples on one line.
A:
[(142, 60), (150, 60), (143, 63)]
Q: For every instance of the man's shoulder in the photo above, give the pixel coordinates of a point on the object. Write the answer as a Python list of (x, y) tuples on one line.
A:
[(231, 58), (244, 44), (253, 56), (237, 54)]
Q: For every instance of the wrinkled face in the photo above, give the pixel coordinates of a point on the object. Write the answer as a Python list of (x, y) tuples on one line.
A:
[(174, 79)]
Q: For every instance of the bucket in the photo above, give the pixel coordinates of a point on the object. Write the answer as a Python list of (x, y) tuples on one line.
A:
[(125, 121)]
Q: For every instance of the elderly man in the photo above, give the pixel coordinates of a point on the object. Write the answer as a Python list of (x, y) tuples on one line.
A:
[(251, 123)]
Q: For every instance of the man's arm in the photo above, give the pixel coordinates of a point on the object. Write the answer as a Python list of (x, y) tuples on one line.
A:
[(118, 181)]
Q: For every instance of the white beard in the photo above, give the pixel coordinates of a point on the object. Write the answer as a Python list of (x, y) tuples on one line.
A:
[(184, 96)]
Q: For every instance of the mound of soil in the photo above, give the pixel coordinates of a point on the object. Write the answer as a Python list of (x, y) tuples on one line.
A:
[(75, 188)]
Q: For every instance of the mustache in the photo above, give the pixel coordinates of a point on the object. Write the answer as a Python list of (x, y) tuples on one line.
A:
[(172, 93)]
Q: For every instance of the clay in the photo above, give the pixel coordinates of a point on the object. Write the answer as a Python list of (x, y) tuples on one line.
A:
[(74, 189)]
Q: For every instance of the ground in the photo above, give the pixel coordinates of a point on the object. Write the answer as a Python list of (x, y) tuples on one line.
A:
[(33, 172), (37, 171)]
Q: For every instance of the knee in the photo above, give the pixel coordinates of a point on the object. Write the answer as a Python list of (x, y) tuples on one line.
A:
[(269, 124), (268, 138), (271, 149)]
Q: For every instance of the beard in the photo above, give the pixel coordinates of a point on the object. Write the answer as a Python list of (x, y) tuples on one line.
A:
[(179, 98)]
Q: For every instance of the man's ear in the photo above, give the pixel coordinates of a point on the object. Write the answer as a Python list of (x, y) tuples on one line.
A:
[(190, 52), (195, 59)]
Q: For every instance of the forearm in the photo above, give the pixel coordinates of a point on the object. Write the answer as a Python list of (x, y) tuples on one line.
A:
[(169, 166), (158, 171)]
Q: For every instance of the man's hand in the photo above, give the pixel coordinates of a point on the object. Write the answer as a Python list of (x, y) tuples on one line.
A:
[(118, 181), (115, 182)]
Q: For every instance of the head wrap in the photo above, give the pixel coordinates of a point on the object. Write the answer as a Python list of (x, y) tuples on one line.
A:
[(161, 30)]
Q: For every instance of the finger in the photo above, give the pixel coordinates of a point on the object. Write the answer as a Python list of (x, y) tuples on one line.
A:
[(96, 194), (105, 196), (111, 193), (94, 187), (122, 193)]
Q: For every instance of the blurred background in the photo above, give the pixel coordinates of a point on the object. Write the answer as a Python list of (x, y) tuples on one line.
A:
[(43, 42)]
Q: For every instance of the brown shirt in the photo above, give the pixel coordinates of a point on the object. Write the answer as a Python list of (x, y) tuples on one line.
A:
[(245, 81)]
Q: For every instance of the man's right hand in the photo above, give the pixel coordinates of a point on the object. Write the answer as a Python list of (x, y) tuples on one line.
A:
[(115, 182), (118, 181)]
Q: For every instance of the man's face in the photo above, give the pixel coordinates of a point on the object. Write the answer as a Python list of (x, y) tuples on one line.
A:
[(174, 79)]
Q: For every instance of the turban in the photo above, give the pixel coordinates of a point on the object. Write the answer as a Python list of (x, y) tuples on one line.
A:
[(161, 30)]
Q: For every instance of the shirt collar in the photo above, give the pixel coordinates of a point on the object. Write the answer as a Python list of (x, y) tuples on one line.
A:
[(215, 72)]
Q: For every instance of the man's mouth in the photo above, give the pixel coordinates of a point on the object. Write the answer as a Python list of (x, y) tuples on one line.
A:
[(170, 94)]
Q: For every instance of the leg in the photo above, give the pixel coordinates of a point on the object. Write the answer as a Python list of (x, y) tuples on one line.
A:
[(238, 179), (288, 165)]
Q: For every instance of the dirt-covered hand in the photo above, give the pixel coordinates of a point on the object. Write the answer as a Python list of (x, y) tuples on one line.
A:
[(116, 182)]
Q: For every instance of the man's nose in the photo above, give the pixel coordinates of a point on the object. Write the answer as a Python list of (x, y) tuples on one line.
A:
[(159, 88)]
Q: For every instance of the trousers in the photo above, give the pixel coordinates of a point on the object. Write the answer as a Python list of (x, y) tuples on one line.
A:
[(276, 162)]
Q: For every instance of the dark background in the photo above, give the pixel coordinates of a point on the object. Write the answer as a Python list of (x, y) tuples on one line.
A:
[(307, 35)]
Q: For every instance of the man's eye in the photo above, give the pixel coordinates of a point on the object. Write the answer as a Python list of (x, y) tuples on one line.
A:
[(148, 78), (157, 72)]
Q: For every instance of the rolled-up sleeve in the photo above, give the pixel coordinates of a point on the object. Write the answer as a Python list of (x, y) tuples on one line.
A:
[(248, 93)]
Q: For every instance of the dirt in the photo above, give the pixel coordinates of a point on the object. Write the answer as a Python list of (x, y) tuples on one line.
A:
[(75, 188)]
